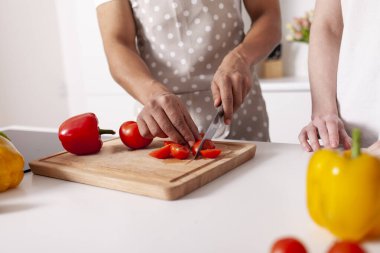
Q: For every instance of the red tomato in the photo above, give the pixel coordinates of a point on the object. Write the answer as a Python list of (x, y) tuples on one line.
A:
[(288, 245), (208, 144), (161, 153), (178, 151), (346, 247), (168, 142), (131, 137), (211, 153)]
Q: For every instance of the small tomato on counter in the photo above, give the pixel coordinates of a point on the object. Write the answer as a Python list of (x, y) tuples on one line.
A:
[(80, 135), (11, 164), (343, 192), (288, 245), (131, 137), (346, 247)]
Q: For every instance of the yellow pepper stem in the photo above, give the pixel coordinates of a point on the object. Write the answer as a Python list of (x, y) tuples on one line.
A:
[(356, 143)]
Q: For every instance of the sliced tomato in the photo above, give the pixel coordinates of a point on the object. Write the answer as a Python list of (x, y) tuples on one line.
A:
[(179, 151), (288, 245), (169, 142), (346, 247), (208, 144), (211, 153), (161, 153)]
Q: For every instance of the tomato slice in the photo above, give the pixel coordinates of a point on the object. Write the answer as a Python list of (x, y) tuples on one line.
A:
[(288, 245), (211, 153), (346, 247), (161, 153), (208, 144), (179, 151), (169, 142)]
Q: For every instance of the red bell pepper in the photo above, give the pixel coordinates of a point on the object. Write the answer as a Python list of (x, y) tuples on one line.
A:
[(80, 134)]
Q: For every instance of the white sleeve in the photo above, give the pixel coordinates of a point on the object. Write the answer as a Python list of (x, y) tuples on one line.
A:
[(99, 2)]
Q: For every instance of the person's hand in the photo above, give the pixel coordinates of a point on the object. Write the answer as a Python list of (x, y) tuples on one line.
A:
[(374, 149), (331, 130), (163, 116), (231, 84)]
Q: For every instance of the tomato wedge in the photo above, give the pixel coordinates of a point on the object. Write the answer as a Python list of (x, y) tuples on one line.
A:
[(169, 142), (161, 153), (178, 151), (211, 153), (208, 144)]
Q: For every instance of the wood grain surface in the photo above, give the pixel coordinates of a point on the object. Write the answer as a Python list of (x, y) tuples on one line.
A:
[(119, 168)]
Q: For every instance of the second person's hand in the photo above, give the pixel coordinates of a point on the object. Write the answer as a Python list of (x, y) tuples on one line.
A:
[(163, 116), (331, 130), (231, 84)]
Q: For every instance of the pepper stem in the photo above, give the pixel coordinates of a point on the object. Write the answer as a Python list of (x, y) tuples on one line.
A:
[(4, 135), (356, 143), (106, 131)]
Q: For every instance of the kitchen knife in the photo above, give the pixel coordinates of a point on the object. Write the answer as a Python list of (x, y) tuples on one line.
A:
[(215, 124)]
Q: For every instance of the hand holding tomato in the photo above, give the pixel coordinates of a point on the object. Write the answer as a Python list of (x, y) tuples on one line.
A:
[(131, 137), (165, 116)]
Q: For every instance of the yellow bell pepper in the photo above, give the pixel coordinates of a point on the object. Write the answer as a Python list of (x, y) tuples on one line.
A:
[(343, 192), (11, 164)]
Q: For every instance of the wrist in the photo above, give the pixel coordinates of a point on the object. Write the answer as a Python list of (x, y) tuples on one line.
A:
[(243, 53), (152, 90), (324, 113)]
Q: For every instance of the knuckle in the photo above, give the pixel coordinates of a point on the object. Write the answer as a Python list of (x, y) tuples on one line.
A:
[(156, 131), (144, 132)]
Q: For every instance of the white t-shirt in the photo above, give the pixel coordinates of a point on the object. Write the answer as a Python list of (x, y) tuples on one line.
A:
[(359, 68)]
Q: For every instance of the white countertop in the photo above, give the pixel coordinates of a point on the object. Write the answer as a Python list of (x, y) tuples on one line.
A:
[(242, 211)]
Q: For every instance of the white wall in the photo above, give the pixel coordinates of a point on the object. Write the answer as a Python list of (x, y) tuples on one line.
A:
[(32, 87), (294, 54)]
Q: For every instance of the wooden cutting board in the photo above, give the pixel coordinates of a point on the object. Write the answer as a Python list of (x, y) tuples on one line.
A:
[(119, 168)]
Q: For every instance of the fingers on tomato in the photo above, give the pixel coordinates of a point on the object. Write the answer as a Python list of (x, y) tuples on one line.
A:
[(288, 245), (346, 247), (131, 137), (161, 153), (211, 153), (179, 151)]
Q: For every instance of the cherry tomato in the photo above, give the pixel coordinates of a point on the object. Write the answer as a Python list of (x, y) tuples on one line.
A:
[(288, 245), (178, 151), (161, 153), (208, 144), (131, 137), (346, 247), (211, 153)]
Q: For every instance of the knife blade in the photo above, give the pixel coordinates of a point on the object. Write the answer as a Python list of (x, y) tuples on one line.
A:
[(211, 130)]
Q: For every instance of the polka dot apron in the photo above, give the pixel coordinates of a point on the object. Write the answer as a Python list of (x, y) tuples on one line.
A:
[(183, 43)]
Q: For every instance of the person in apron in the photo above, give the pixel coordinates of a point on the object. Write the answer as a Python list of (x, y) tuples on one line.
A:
[(344, 74), (181, 59)]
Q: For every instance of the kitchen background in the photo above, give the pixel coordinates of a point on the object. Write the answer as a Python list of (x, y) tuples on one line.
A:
[(52, 66)]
